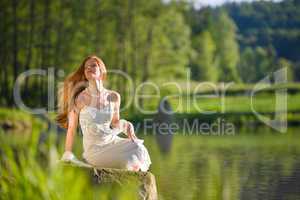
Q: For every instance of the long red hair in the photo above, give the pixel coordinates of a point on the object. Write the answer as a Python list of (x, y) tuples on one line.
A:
[(73, 84)]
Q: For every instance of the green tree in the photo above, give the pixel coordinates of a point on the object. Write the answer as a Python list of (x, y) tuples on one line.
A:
[(171, 46), (284, 63), (204, 63), (224, 33), (256, 63), (247, 66)]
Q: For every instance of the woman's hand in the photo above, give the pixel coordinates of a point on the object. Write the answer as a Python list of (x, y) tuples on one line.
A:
[(130, 131), (68, 156)]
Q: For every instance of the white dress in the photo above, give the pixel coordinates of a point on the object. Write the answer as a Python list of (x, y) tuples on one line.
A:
[(103, 148)]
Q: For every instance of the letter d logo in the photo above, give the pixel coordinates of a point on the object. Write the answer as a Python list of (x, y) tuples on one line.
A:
[(279, 122)]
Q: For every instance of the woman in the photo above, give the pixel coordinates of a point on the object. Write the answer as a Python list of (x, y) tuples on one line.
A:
[(84, 98)]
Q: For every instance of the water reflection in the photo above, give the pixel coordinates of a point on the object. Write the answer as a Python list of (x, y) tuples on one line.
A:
[(247, 166), (164, 118)]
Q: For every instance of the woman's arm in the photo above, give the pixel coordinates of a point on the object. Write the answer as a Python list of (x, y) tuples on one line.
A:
[(116, 122), (72, 127), (73, 116), (121, 124)]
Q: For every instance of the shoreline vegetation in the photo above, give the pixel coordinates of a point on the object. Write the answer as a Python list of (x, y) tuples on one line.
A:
[(207, 105)]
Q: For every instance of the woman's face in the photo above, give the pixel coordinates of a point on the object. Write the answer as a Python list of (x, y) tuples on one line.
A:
[(92, 70)]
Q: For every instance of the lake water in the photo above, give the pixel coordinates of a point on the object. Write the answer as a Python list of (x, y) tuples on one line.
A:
[(253, 164)]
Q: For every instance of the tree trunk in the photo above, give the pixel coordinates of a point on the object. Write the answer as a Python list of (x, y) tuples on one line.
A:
[(15, 46), (147, 53), (45, 51), (30, 42)]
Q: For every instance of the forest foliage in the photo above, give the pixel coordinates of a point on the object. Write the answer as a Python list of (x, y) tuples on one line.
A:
[(148, 40)]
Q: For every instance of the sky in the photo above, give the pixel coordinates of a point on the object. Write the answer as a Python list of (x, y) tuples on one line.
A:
[(201, 3)]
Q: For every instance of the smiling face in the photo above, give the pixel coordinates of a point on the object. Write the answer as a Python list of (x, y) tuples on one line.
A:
[(92, 69)]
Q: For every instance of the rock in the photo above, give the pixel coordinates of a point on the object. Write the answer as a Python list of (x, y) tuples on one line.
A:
[(146, 180), (7, 124)]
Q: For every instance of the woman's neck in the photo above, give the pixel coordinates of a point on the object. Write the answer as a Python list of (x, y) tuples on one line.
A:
[(96, 87)]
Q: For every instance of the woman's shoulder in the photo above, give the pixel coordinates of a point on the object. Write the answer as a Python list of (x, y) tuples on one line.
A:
[(82, 98)]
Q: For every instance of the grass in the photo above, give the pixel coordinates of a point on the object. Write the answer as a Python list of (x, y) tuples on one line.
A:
[(18, 120), (29, 170), (228, 89), (237, 99), (205, 103)]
